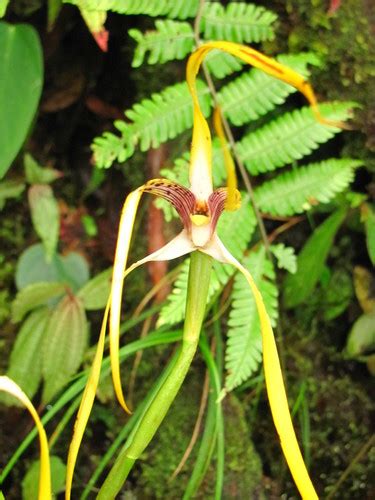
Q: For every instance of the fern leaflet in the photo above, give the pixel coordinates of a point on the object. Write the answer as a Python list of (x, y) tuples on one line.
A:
[(153, 121), (235, 229), (176, 9), (221, 64), (244, 344), (171, 40), (253, 94), (237, 22), (290, 137), (296, 191)]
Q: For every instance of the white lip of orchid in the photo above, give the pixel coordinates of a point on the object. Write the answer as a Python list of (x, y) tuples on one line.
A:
[(201, 234)]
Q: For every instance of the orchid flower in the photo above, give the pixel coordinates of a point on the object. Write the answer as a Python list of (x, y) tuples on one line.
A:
[(199, 208)]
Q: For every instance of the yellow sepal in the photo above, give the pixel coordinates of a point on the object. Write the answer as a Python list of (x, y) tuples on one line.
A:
[(86, 405), (125, 232)]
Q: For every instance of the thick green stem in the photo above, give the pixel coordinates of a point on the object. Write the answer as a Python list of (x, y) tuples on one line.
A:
[(198, 282)]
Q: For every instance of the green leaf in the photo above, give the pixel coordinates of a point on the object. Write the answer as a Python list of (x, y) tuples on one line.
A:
[(25, 366), (337, 294), (3, 8), (298, 190), (290, 137), (255, 93), (153, 121), (34, 295), (177, 9), (64, 344), (35, 174), (368, 214), (31, 480), (171, 40), (361, 338), (54, 7), (9, 190), (221, 64), (311, 260), (96, 291), (237, 22), (45, 216), (21, 64), (244, 345), (286, 257), (33, 267)]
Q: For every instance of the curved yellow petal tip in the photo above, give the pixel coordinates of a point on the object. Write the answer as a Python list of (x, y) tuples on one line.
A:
[(9, 386)]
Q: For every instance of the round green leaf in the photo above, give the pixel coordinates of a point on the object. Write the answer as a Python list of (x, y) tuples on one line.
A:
[(33, 267), (21, 83), (31, 480), (96, 291)]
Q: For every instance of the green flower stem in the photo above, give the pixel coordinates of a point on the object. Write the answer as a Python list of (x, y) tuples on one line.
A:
[(197, 291)]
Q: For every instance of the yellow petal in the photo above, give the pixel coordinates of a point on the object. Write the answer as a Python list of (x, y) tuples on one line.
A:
[(273, 68), (231, 202), (86, 405), (200, 173), (7, 385), (274, 380)]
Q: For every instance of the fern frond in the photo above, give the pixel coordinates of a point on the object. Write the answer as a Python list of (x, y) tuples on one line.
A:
[(298, 190), (290, 137), (235, 229), (221, 64), (254, 93), (237, 22), (176, 9), (153, 121), (171, 40), (244, 345)]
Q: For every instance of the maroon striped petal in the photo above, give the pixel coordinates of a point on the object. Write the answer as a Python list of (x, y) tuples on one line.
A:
[(179, 196), (216, 204)]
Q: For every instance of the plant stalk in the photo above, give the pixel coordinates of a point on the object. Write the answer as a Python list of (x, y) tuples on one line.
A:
[(197, 291)]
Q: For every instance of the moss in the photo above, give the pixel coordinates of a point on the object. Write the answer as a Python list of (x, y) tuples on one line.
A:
[(243, 472)]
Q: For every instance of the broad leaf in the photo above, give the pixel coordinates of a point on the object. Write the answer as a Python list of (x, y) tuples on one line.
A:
[(311, 260), (31, 480), (45, 216), (35, 174), (368, 214), (33, 296), (21, 82), (25, 366), (32, 267), (361, 338), (3, 8), (10, 189), (64, 344), (96, 291)]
